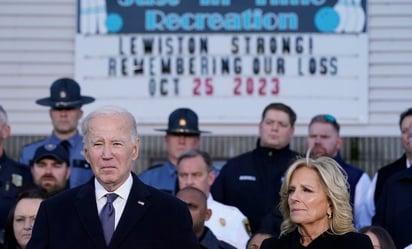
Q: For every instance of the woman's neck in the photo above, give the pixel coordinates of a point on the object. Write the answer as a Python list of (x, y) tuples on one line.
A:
[(308, 235)]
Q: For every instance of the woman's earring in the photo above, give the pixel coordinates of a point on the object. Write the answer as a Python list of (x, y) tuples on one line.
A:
[(329, 216)]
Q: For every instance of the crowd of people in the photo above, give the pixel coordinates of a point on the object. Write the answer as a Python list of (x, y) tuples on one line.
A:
[(77, 189)]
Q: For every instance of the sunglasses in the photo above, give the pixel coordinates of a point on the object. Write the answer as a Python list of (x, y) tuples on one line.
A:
[(326, 118)]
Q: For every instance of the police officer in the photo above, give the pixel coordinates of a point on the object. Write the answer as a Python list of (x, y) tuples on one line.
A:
[(12, 174), (65, 104), (182, 134)]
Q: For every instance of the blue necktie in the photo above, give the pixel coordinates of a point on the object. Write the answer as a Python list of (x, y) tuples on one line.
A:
[(107, 217)]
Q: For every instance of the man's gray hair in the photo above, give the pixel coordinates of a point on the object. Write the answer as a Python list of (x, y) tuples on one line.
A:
[(109, 111), (194, 153)]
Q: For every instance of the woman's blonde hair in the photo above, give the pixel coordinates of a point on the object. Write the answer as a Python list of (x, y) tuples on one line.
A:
[(334, 182)]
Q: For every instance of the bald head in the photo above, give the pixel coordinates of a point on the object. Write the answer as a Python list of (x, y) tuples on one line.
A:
[(197, 203), (193, 197)]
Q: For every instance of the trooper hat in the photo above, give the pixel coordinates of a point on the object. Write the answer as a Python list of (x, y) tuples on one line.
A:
[(65, 93), (183, 121), (55, 151)]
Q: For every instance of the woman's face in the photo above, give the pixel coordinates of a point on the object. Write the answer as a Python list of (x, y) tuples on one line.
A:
[(24, 215), (308, 203)]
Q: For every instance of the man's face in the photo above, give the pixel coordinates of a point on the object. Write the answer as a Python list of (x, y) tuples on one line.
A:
[(110, 150), (176, 144), (275, 130), (197, 207), (4, 131), (193, 172), (51, 175), (65, 121), (406, 131), (323, 139)]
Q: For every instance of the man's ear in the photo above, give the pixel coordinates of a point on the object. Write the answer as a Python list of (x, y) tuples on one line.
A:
[(208, 214), (84, 152), (136, 148), (339, 143), (5, 132), (211, 177), (68, 172)]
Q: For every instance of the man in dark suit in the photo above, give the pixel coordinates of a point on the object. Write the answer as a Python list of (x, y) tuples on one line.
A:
[(142, 217), (394, 208)]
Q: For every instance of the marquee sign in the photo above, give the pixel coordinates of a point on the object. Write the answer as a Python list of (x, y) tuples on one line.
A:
[(225, 59)]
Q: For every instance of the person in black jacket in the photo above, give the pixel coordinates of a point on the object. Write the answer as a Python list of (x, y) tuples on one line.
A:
[(251, 181), (402, 163), (394, 208), (196, 201), (316, 209)]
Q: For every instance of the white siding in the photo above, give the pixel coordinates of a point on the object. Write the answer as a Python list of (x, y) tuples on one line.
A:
[(390, 91), (37, 47)]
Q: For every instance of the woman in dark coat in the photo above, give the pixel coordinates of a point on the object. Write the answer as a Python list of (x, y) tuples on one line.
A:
[(315, 208)]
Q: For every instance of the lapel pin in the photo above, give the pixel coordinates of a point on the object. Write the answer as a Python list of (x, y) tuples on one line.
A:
[(140, 203)]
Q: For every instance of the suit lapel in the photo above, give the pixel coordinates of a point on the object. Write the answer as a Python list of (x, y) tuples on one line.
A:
[(136, 206), (87, 210)]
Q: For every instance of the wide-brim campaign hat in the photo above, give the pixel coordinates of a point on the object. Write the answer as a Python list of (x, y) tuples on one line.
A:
[(55, 151), (65, 93), (183, 121)]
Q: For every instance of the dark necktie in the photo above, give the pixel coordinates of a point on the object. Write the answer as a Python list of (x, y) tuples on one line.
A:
[(107, 217)]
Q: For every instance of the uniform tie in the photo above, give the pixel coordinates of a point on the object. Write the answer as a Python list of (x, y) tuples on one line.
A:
[(107, 217)]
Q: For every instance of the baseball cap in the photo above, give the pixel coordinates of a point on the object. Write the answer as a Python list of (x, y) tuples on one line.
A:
[(57, 152)]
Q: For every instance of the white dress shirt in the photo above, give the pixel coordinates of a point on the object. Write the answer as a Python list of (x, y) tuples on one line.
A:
[(123, 193), (362, 217)]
